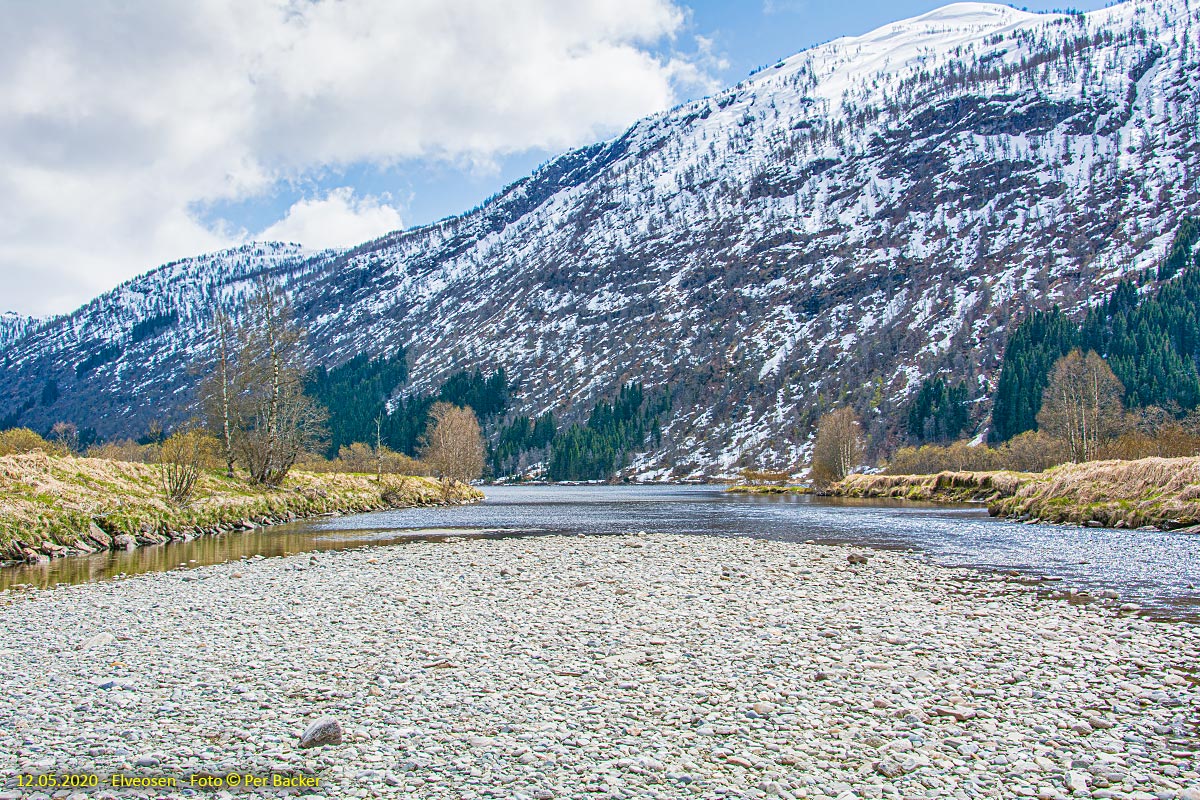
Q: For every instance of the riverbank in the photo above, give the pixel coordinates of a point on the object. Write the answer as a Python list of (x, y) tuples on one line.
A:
[(944, 487), (617, 667), (52, 505), (768, 489), (1159, 492)]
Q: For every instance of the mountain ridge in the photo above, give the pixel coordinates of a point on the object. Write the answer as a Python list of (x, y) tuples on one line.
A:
[(832, 229)]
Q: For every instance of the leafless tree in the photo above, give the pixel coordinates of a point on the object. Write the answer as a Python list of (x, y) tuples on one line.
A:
[(254, 399), (453, 443), (180, 458), (217, 391), (839, 446), (379, 445), (276, 420), (66, 436), (1082, 405)]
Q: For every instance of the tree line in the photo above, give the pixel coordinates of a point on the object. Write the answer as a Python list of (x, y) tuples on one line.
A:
[(263, 412), (614, 431), (1151, 342), (1124, 382)]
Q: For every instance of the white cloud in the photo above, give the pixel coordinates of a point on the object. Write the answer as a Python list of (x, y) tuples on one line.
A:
[(338, 220), (118, 119)]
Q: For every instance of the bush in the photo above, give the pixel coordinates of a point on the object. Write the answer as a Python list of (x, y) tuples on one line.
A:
[(361, 458), (957, 457), (1033, 451), (181, 458), (125, 450), (16, 441), (1028, 452), (758, 477)]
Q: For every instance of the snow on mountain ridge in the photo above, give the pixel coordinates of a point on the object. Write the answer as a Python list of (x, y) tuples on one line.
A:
[(14, 325), (903, 44)]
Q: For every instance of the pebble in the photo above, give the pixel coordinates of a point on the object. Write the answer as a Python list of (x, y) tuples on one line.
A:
[(513, 668)]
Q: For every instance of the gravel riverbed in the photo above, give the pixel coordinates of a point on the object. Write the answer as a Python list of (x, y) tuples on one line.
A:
[(641, 666)]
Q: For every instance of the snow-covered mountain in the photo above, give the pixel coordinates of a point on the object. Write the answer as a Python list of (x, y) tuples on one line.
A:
[(13, 326), (834, 228)]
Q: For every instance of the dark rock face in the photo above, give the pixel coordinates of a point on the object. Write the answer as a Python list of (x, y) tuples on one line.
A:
[(822, 233)]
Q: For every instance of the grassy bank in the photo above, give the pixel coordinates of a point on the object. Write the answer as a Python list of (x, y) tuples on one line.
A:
[(1163, 492), (88, 503), (944, 487), (748, 489)]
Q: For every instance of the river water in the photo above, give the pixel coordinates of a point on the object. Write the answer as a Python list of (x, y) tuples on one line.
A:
[(1159, 570)]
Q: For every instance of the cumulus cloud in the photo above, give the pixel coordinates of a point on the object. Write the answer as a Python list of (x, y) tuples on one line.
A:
[(119, 119), (337, 220)]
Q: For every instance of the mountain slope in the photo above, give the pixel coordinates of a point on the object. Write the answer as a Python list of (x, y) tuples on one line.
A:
[(13, 326), (833, 229)]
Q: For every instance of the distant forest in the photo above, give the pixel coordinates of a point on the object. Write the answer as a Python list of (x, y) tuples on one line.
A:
[(365, 404), (1151, 341)]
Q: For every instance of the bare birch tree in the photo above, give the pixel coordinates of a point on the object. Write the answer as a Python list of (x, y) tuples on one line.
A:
[(219, 396), (254, 398), (1082, 405), (277, 421), (453, 443), (839, 446)]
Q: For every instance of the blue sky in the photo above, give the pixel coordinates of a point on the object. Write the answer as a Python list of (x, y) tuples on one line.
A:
[(138, 133)]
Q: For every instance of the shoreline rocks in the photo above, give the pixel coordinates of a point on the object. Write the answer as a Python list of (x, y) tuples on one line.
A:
[(685, 667)]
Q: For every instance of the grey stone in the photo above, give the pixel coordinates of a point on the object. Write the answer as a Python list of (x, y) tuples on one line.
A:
[(98, 535), (98, 640), (324, 731)]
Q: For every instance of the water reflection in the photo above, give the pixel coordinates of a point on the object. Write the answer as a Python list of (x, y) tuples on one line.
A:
[(274, 541)]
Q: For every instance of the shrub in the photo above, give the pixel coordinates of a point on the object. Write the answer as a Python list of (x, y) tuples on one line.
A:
[(1028, 452), (1033, 451), (757, 477), (362, 458), (16, 441), (181, 458), (126, 450)]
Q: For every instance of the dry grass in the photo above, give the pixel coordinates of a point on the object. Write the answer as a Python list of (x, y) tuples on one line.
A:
[(948, 487), (54, 498), (1164, 492), (743, 488)]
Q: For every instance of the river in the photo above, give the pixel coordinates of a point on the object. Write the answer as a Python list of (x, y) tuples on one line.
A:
[(1158, 570)]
